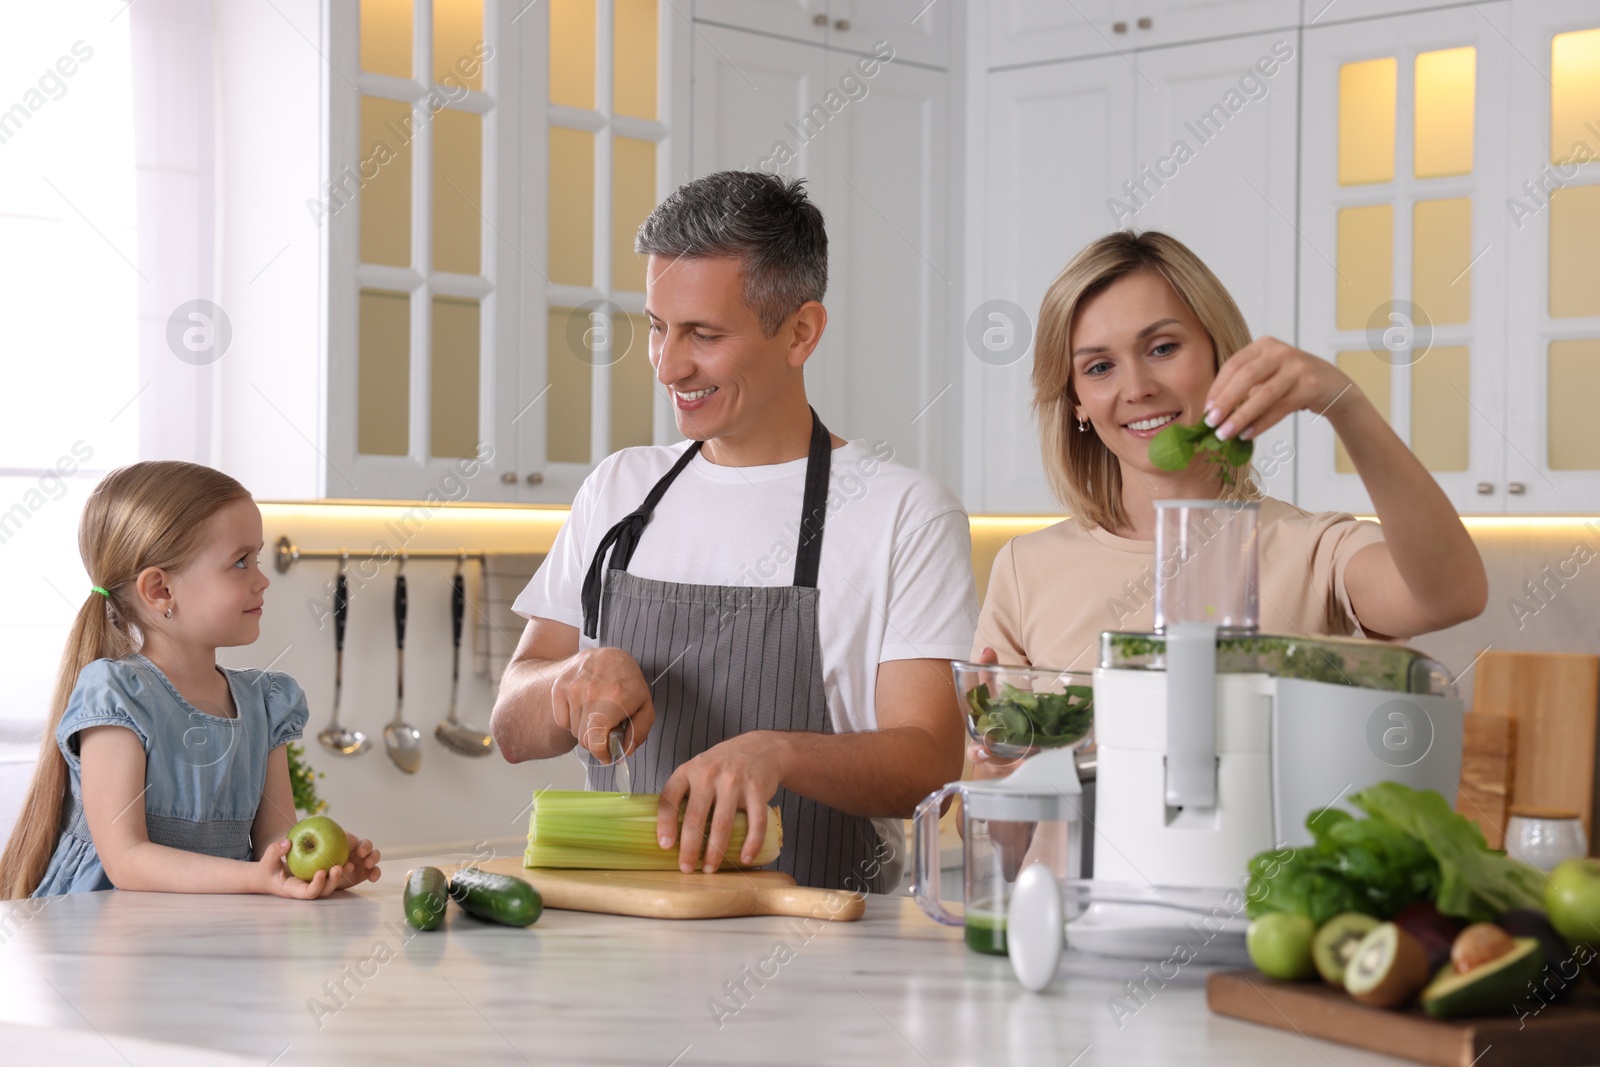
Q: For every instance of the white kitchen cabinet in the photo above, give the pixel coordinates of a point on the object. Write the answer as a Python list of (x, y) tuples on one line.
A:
[(1058, 143), (1041, 31), (884, 368), (752, 98), (1159, 141), (1219, 119), (875, 165), (798, 20), (917, 30), (431, 351), (1403, 262), (1552, 350), (398, 368)]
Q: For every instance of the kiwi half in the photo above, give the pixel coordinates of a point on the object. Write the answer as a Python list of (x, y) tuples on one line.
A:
[(1388, 968), (1335, 942)]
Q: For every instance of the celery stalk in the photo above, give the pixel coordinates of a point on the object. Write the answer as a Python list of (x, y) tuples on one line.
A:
[(613, 831)]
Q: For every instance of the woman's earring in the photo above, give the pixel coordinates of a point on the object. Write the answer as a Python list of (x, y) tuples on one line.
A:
[(1083, 426), (169, 613)]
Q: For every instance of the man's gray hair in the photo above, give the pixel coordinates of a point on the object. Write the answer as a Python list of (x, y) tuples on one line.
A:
[(766, 222)]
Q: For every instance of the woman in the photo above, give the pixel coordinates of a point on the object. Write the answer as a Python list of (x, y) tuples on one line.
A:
[(1135, 333)]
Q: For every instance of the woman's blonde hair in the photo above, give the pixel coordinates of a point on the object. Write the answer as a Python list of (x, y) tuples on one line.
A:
[(146, 515), (1083, 473)]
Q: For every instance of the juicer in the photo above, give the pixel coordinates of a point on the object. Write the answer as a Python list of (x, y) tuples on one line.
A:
[(1214, 742)]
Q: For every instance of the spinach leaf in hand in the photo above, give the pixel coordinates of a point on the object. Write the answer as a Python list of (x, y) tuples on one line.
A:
[(1174, 448)]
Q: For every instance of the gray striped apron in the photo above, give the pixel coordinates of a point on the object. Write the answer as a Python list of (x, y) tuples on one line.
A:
[(726, 659)]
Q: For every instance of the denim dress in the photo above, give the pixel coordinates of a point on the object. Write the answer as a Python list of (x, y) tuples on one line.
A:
[(203, 773)]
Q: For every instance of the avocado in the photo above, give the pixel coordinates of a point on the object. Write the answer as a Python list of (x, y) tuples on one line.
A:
[(1493, 988), (1336, 941), (1561, 973)]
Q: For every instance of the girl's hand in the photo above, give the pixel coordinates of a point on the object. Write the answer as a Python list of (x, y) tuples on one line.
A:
[(362, 865), (275, 879), (1265, 382)]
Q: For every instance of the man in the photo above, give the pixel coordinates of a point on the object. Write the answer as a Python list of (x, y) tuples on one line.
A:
[(766, 610)]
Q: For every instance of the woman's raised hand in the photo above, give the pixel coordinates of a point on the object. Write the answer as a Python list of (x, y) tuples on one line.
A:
[(1265, 382)]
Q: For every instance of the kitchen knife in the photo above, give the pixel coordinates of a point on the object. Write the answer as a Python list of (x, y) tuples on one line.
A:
[(624, 781)]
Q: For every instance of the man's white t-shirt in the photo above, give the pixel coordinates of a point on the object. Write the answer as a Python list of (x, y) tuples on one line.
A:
[(895, 580)]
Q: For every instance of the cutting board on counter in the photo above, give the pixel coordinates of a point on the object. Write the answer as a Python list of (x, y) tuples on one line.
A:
[(1555, 699), (1488, 770), (674, 895), (1558, 1036)]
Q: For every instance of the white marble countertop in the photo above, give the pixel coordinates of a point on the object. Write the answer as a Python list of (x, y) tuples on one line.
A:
[(122, 977)]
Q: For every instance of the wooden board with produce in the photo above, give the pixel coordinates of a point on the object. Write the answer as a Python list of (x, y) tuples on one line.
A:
[(1560, 1035), (1426, 944)]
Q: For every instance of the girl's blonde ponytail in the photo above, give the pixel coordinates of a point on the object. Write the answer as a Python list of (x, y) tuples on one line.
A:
[(147, 515)]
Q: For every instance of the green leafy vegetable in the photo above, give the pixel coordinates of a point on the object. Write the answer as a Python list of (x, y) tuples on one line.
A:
[(1174, 448), (1474, 883), (1032, 720), (1411, 847), (1352, 865)]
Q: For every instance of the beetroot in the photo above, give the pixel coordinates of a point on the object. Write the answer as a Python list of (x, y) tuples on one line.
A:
[(1436, 932)]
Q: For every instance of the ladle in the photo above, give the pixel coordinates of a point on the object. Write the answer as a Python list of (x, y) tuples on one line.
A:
[(458, 736), (400, 737), (335, 738)]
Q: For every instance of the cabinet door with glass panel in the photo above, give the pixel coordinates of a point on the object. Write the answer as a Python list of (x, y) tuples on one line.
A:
[(1403, 243), (422, 348), (1552, 208), (605, 155), (484, 299)]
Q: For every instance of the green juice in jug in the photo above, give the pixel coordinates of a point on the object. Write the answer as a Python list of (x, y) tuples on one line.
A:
[(986, 931)]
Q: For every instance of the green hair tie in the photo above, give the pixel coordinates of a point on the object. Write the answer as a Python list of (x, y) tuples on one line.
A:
[(102, 592)]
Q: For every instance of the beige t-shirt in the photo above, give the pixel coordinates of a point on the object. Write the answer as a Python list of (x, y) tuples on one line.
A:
[(1053, 592)]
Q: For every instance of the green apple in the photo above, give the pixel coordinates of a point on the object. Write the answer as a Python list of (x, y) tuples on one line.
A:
[(1572, 900), (316, 844), (1279, 944)]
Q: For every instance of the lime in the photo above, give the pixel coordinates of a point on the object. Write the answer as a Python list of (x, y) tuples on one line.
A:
[(1280, 945)]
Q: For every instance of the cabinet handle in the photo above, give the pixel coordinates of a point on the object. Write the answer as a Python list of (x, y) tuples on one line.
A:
[(842, 25), (819, 20), (1516, 488), (535, 478), (1145, 23), (1119, 27), (509, 478), (1485, 488)]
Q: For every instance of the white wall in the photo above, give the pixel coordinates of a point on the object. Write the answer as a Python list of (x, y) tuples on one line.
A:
[(453, 800)]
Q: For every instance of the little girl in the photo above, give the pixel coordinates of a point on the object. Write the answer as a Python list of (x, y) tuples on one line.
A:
[(160, 770)]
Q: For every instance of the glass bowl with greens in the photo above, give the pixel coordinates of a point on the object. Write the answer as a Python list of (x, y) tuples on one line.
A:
[(1016, 711)]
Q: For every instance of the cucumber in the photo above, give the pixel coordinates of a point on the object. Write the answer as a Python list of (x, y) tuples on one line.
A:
[(424, 898), (499, 898)]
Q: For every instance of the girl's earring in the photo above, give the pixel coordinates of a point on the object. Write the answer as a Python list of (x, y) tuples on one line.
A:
[(169, 613)]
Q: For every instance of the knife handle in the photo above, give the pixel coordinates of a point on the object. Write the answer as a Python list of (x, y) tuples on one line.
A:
[(341, 610), (400, 612), (458, 608)]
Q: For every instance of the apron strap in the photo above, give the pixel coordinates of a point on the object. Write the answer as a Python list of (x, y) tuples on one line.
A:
[(621, 540), (625, 537), (814, 508)]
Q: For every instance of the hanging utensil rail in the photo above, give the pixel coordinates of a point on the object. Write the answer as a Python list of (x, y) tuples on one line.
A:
[(287, 553)]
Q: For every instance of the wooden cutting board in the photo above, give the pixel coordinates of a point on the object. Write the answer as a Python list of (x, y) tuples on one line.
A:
[(1555, 699), (1559, 1035), (674, 895), (1488, 773)]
